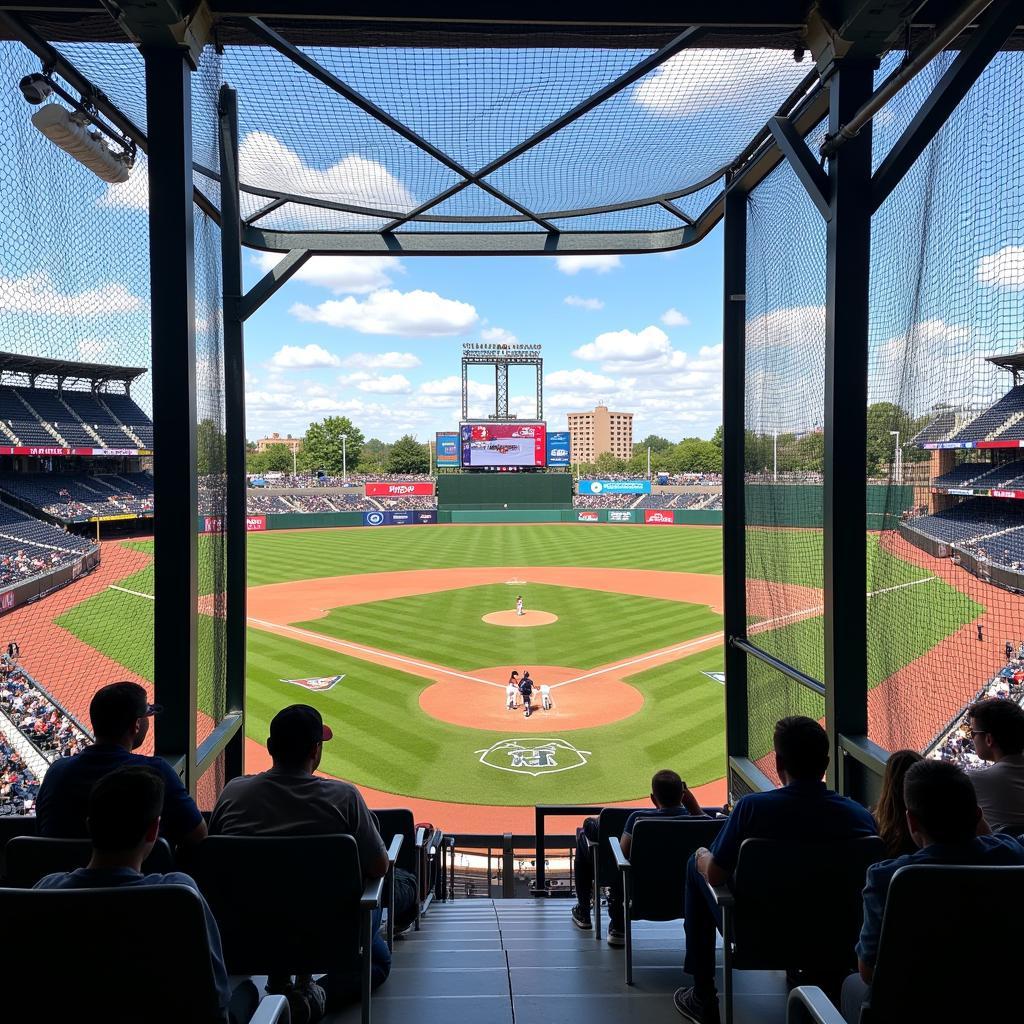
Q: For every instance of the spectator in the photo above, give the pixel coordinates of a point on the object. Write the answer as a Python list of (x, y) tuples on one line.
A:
[(289, 799), (120, 716), (997, 729), (802, 810), (891, 811), (124, 820), (943, 817), (671, 799)]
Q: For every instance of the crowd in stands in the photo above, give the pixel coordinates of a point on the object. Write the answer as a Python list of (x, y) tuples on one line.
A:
[(77, 497), (18, 785), (306, 480), (413, 504), (29, 547), (53, 733), (603, 500)]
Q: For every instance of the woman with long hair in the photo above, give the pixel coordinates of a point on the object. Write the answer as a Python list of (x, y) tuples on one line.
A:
[(891, 811)]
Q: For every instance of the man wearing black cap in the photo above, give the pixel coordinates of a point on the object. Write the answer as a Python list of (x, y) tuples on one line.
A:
[(120, 714), (290, 800)]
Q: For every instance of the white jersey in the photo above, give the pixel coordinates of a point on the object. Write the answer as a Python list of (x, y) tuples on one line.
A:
[(545, 691), (512, 690)]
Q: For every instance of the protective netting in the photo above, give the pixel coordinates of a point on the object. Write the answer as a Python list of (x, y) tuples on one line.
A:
[(947, 291), (784, 412), (74, 288), (676, 127)]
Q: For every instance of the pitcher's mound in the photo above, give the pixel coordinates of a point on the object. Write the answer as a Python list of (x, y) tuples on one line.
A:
[(510, 618)]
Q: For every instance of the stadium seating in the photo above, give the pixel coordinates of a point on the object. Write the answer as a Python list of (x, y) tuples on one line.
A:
[(970, 520), (20, 420), (27, 859), (794, 906), (77, 497), (937, 429), (28, 547), (129, 416), (991, 421), (48, 406), (112, 975), (654, 874), (19, 785)]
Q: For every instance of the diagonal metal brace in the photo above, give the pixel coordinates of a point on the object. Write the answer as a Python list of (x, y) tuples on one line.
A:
[(267, 285), (811, 174)]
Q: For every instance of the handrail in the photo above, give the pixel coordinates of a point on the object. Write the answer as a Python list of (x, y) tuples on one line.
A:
[(780, 666), (541, 813)]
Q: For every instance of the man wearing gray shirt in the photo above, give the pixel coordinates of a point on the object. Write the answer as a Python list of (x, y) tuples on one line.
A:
[(997, 730), (289, 800)]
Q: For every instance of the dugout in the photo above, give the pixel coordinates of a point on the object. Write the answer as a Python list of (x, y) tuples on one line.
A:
[(515, 491)]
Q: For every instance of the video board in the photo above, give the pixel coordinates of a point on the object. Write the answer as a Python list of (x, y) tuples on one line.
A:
[(503, 445), (447, 449)]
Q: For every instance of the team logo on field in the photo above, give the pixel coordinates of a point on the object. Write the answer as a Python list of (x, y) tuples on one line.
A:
[(533, 757), (319, 684), (719, 677)]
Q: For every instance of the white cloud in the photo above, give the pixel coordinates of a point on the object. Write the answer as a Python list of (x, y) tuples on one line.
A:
[(37, 292), (601, 263), (132, 194), (579, 380), (498, 335), (699, 80), (576, 300), (396, 384), (91, 349), (415, 313), (353, 275), (383, 360), (673, 318), (453, 386), (646, 351), (290, 357), (1004, 268)]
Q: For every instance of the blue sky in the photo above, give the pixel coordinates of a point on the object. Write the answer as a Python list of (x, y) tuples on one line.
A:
[(380, 339)]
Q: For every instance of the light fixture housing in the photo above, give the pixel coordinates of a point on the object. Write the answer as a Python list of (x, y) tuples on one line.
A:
[(70, 131)]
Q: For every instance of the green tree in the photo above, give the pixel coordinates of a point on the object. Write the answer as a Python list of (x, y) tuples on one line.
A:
[(255, 462), (655, 443), (718, 438), (883, 418), (694, 455), (277, 458), (211, 449), (322, 447), (408, 455), (608, 463), (637, 465), (374, 456)]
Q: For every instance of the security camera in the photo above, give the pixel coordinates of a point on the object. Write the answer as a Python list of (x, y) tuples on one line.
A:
[(35, 88)]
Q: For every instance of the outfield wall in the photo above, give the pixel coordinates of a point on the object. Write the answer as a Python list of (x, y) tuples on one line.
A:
[(500, 491), (803, 505)]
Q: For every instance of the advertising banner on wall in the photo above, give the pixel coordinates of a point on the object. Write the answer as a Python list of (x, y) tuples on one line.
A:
[(403, 518), (375, 518), (558, 448), (658, 517), (447, 449), (215, 524), (399, 490), (614, 487), (52, 450), (425, 516), (588, 516), (622, 515)]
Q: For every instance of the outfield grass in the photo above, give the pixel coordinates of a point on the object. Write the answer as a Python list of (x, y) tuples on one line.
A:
[(593, 628), (383, 740)]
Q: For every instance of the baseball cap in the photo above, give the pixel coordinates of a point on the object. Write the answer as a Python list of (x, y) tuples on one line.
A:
[(115, 706), (297, 728)]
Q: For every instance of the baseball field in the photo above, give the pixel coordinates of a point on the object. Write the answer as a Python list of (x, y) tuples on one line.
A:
[(418, 625)]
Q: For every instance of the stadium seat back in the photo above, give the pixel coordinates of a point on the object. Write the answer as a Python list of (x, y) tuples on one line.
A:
[(610, 822), (799, 904), (283, 904), (658, 853), (119, 955), (12, 825), (399, 822), (30, 858), (948, 930)]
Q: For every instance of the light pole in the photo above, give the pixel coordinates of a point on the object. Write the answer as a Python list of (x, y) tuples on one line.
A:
[(648, 462), (430, 460), (293, 462), (898, 467), (344, 459), (775, 457)]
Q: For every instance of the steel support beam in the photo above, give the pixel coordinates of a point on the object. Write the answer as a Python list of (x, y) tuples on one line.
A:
[(172, 310), (808, 171), (734, 570), (848, 257), (271, 281), (234, 423), (501, 390), (970, 62)]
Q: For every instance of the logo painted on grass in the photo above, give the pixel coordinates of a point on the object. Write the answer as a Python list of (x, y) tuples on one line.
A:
[(320, 683), (533, 757), (719, 677)]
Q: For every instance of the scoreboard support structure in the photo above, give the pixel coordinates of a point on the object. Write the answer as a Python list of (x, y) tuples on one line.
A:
[(501, 357)]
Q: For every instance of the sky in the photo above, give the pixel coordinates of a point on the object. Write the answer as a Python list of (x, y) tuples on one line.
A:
[(379, 339)]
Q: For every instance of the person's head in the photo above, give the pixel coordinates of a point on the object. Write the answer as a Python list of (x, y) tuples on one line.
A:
[(120, 713), (801, 749), (515, 674), (997, 728), (297, 735), (123, 815), (666, 789), (941, 804), (891, 812), (526, 673)]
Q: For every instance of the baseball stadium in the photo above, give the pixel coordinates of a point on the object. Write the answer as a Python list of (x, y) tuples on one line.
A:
[(508, 643)]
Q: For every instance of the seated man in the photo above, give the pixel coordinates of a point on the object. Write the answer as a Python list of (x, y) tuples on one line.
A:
[(944, 820), (671, 799), (120, 714), (997, 729), (288, 799), (123, 818), (802, 810)]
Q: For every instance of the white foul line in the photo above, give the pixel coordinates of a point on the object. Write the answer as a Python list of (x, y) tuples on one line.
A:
[(134, 593), (432, 670)]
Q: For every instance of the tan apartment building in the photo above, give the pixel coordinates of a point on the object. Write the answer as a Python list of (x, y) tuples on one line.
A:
[(293, 444), (593, 433)]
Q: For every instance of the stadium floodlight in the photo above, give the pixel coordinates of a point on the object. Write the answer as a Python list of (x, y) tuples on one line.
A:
[(79, 131)]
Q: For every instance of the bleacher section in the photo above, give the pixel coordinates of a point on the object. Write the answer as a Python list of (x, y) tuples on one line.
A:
[(970, 520), (995, 418), (938, 429), (76, 498), (129, 416), (28, 547)]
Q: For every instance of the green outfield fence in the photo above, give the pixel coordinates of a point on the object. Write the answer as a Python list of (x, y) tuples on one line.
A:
[(501, 491)]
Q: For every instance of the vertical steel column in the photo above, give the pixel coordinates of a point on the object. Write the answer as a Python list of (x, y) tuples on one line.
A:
[(501, 389), (734, 569), (172, 301), (846, 399), (234, 421)]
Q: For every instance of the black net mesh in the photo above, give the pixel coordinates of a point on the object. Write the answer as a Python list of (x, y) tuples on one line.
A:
[(785, 344), (947, 291)]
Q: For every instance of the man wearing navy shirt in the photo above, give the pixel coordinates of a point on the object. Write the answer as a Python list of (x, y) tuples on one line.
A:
[(802, 810), (120, 714), (944, 820)]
